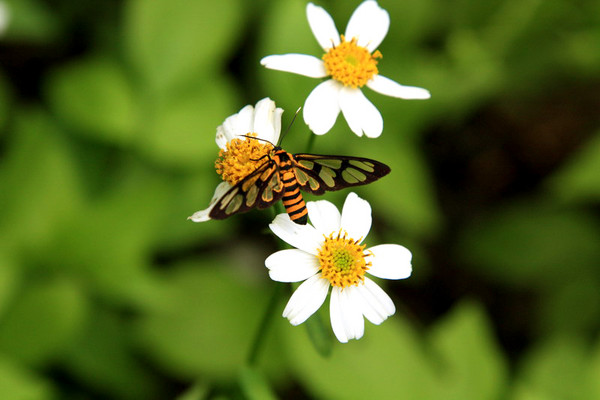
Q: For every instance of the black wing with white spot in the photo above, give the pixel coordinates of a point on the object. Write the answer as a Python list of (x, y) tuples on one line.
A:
[(261, 189), (318, 174)]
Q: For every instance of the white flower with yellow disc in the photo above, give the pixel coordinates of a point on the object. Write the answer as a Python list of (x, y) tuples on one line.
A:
[(240, 155), (331, 253), (350, 60)]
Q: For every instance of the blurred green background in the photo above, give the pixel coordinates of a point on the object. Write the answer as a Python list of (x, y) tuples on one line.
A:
[(108, 111)]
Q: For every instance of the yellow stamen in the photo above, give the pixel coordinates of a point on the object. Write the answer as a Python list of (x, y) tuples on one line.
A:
[(342, 260), (351, 64), (240, 158)]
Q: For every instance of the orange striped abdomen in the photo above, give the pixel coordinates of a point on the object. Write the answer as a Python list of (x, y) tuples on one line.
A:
[(292, 198)]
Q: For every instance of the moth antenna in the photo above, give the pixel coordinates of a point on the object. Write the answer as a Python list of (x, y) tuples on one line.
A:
[(262, 140), (290, 125), (256, 138)]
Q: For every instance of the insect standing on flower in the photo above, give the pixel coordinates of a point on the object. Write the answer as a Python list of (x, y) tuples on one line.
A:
[(283, 176)]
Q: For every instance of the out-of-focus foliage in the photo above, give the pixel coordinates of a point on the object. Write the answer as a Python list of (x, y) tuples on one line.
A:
[(108, 111)]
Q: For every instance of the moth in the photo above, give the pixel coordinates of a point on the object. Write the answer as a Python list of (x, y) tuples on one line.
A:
[(284, 176)]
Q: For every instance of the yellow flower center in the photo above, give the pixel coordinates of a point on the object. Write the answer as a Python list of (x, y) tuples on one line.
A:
[(351, 64), (240, 158), (343, 260)]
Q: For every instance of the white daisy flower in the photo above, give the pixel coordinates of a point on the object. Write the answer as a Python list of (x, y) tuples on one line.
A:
[(330, 253), (239, 154), (350, 60)]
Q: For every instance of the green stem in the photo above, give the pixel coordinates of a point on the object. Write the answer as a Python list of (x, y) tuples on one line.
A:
[(270, 310), (265, 323), (311, 142), (278, 209)]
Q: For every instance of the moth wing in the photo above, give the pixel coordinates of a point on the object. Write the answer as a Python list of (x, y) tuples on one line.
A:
[(320, 173), (260, 189)]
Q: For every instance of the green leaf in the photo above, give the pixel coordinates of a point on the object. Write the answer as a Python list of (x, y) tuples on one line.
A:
[(593, 372), (95, 98), (476, 70), (406, 196), (43, 321), (187, 195), (582, 49), (10, 277), (31, 21), (108, 243), (319, 334), (523, 392), (470, 361), (198, 391), (286, 30), (254, 386), (557, 304), (39, 188), (557, 369), (181, 133), (578, 181), (531, 244), (203, 323), (411, 21), (507, 22), (175, 42), (386, 363), (18, 383), (416, 209), (104, 359)]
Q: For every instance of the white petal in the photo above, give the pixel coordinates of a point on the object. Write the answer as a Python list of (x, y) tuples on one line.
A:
[(346, 316), (356, 217), (303, 237), (267, 120), (324, 216), (322, 26), (360, 113), (291, 265), (238, 124), (370, 306), (276, 125), (355, 321), (321, 107), (375, 304), (388, 87), (244, 121), (221, 138), (336, 317), (369, 23), (390, 261), (307, 299), (202, 215), (300, 64)]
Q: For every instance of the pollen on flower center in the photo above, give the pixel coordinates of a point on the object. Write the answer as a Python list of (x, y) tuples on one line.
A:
[(351, 64), (240, 158), (342, 260)]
